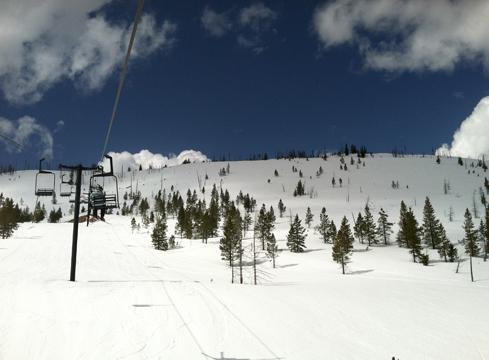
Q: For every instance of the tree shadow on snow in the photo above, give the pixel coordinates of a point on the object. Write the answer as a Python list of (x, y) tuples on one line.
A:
[(311, 250), (286, 266), (359, 272)]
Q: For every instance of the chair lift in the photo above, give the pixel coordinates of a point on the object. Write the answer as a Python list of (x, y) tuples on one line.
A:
[(44, 190), (65, 186), (97, 197)]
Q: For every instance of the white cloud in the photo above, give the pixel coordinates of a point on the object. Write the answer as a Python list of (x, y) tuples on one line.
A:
[(214, 23), (26, 131), (43, 43), (147, 159), (472, 138), (248, 24), (257, 16), (417, 35)]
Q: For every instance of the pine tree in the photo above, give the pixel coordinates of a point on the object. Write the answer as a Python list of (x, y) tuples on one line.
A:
[(299, 189), (359, 228), (384, 227), (412, 234), (230, 243), (296, 236), (133, 225), (401, 236), (309, 217), (171, 242), (343, 245), (272, 248), (431, 236), (158, 236), (281, 208), (470, 240), (323, 225), (331, 235), (446, 250), (39, 213), (369, 227), (8, 218)]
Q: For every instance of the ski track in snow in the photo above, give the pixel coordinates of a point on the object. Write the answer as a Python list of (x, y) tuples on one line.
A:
[(215, 299), (133, 302)]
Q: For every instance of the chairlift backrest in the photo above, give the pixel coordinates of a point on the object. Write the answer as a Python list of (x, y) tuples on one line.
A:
[(99, 199), (44, 190)]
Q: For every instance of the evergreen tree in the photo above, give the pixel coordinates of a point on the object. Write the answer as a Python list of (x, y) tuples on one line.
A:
[(323, 226), (230, 243), (446, 250), (343, 245), (272, 248), (54, 216), (171, 242), (401, 236), (299, 189), (8, 218), (143, 206), (296, 236), (431, 235), (281, 208), (412, 234), (470, 239), (39, 213), (370, 229), (159, 235), (331, 235), (359, 228), (309, 217), (384, 227), (133, 225)]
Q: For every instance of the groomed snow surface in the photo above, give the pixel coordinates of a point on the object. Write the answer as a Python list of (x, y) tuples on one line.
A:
[(133, 302)]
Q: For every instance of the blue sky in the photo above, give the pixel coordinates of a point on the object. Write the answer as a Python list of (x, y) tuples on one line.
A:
[(272, 81)]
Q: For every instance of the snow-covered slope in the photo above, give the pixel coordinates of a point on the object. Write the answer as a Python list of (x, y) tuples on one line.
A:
[(133, 302)]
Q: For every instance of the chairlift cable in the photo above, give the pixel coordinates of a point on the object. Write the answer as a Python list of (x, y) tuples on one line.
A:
[(19, 145), (122, 76)]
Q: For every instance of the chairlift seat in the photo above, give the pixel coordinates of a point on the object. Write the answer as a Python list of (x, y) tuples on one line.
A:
[(44, 192)]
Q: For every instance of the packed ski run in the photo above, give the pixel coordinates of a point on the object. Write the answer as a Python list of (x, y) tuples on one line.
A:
[(131, 301)]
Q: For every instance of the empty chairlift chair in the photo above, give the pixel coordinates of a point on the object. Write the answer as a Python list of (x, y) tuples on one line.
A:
[(43, 185), (65, 186)]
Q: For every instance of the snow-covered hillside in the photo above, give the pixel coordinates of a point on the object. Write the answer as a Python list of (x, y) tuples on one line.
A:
[(133, 302)]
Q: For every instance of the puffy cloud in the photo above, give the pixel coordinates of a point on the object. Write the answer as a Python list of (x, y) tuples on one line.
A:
[(43, 43), (24, 131), (472, 138), (214, 23), (248, 24), (147, 159), (257, 16), (417, 35)]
